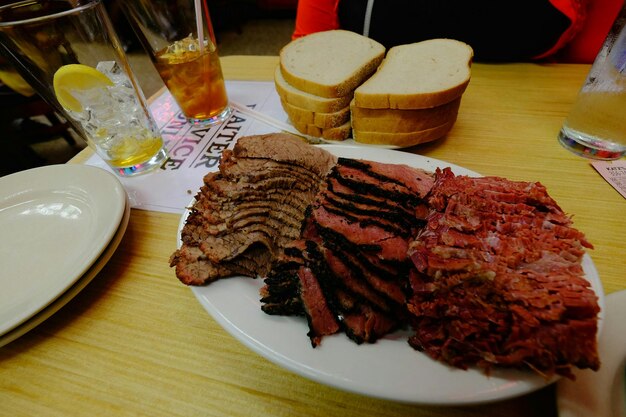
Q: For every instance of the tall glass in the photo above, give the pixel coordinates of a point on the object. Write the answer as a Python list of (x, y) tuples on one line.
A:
[(69, 53), (596, 125), (178, 36)]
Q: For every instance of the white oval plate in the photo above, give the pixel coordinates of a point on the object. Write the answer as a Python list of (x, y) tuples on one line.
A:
[(388, 369), (56, 221), (75, 289)]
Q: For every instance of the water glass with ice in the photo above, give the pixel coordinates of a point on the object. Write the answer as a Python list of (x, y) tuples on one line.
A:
[(69, 53), (596, 125)]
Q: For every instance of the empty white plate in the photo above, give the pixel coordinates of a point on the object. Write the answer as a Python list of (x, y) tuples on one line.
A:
[(74, 290), (56, 221)]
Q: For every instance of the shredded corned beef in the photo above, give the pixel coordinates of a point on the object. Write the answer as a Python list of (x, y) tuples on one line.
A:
[(498, 279)]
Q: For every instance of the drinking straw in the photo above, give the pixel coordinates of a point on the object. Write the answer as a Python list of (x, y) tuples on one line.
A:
[(274, 122), (199, 28)]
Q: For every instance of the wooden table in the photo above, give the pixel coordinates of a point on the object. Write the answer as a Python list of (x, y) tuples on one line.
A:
[(136, 342)]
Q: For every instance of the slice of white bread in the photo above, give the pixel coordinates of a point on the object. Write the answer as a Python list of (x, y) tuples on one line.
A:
[(403, 139), (338, 133), (418, 75), (321, 120), (402, 121), (330, 63), (304, 100)]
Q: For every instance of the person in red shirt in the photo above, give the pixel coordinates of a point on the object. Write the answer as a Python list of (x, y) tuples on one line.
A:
[(557, 30), (587, 41)]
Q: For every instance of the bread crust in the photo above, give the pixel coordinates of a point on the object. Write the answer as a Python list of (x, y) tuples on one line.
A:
[(405, 139), (338, 133), (409, 101), (402, 121), (308, 101), (321, 120)]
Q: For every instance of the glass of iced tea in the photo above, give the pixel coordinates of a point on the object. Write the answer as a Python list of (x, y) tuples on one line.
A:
[(178, 36)]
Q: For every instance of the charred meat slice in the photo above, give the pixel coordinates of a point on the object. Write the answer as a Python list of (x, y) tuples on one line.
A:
[(281, 293), (352, 260)]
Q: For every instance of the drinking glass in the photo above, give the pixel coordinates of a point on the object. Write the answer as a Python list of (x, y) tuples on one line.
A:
[(596, 125), (178, 36), (69, 53)]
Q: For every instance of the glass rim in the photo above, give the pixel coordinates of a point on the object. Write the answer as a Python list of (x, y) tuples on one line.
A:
[(89, 4)]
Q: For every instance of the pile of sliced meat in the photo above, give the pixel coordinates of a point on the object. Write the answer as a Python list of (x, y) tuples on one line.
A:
[(498, 279), (487, 271), (247, 212), (349, 270)]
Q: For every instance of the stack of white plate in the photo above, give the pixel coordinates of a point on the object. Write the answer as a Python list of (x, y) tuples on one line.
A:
[(59, 224)]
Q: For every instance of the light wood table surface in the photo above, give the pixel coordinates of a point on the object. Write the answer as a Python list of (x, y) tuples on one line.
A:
[(135, 342)]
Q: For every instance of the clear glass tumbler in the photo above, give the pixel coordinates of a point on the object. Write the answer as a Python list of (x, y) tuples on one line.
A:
[(69, 53), (596, 125), (178, 36)]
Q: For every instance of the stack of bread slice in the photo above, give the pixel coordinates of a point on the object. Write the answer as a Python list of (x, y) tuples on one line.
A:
[(317, 77), (415, 94)]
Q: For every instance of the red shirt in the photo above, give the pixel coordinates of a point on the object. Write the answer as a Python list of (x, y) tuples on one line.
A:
[(590, 21)]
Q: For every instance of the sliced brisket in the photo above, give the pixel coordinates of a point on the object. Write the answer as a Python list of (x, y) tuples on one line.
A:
[(245, 214)]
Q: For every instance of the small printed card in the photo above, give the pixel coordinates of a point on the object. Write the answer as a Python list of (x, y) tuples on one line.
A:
[(614, 172)]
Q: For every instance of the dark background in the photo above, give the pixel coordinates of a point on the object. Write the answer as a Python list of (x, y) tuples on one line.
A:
[(226, 16)]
